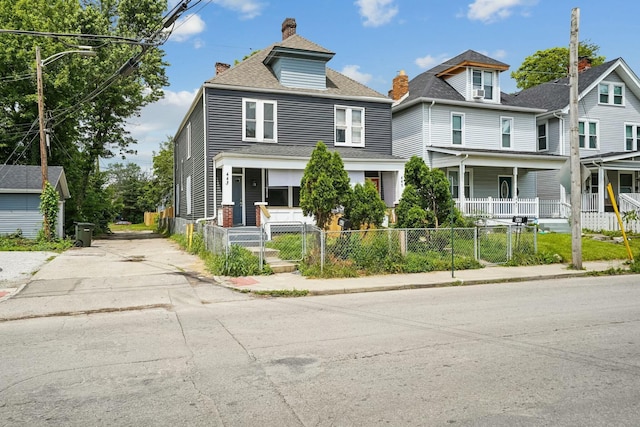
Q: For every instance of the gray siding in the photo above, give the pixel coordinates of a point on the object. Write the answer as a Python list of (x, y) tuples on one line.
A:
[(28, 221), (548, 185), (24, 202), (193, 166), (407, 133), (611, 119), (302, 120), (485, 182), (301, 73)]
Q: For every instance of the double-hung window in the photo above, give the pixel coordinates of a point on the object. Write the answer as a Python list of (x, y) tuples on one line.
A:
[(588, 134), (483, 80), (611, 93), (457, 129), (259, 119), (506, 132), (543, 143), (349, 126), (631, 137)]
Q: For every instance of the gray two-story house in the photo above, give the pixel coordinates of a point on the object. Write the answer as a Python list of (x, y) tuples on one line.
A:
[(609, 132), (457, 119), (241, 150)]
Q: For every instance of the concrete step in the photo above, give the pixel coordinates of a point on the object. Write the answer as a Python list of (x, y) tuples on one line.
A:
[(279, 266), (268, 252), (556, 227)]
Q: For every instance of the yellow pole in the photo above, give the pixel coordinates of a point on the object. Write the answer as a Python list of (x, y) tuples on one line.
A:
[(189, 235), (615, 209)]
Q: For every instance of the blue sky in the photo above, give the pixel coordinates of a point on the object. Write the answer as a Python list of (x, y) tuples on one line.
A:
[(374, 39)]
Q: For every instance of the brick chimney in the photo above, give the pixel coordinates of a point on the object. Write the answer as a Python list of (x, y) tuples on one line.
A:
[(584, 63), (288, 28), (221, 67), (400, 86)]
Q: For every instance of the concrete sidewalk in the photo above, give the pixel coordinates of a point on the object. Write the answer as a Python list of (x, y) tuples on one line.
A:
[(490, 274)]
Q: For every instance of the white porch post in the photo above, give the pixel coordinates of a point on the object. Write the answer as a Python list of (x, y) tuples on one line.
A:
[(514, 193), (461, 195), (601, 189), (227, 179), (399, 186)]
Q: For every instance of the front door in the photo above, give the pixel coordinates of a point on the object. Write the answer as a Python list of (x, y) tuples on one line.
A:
[(236, 194), (504, 186)]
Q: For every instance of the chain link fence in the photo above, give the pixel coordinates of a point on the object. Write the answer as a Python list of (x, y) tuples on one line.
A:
[(374, 251)]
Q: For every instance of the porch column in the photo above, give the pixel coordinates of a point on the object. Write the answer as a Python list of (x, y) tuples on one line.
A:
[(399, 186), (461, 195), (601, 189), (514, 190), (227, 179), (227, 215)]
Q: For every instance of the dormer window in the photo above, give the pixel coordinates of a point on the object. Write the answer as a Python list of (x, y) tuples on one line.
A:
[(483, 83)]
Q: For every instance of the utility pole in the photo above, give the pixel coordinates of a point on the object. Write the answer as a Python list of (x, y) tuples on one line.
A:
[(43, 140), (576, 178)]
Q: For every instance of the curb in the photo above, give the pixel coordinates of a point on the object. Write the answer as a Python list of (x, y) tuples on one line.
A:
[(451, 283)]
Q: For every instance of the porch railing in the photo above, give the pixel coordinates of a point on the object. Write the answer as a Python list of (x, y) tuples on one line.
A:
[(590, 202), (629, 202), (499, 208)]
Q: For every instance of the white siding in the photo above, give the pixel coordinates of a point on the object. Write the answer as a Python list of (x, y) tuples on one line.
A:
[(459, 83), (406, 133), (482, 128)]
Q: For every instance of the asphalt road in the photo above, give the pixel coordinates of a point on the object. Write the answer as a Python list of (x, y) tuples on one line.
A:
[(186, 352)]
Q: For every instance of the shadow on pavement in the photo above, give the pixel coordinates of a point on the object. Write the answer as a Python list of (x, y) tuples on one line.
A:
[(130, 235)]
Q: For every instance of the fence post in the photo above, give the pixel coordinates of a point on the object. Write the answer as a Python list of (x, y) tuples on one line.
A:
[(509, 248), (476, 253), (322, 236), (535, 240)]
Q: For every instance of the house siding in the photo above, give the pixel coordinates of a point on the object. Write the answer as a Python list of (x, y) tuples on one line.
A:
[(482, 128), (301, 73), (611, 119), (548, 185), (13, 202), (407, 133), (28, 221), (485, 182), (301, 120), (459, 83)]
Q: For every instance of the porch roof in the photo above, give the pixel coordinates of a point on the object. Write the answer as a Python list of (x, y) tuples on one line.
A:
[(612, 157), (452, 156), (283, 156)]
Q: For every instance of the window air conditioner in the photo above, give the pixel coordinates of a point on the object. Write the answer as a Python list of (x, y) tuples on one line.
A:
[(478, 93)]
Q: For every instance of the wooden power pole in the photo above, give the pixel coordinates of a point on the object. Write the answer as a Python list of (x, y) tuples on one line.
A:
[(576, 179)]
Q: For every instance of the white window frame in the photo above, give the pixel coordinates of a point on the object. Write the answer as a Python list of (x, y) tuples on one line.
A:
[(611, 93), (462, 129), (635, 137), (188, 195), (260, 103), (189, 140), (467, 172), (511, 139), (483, 85), (587, 135), (546, 136), (348, 126)]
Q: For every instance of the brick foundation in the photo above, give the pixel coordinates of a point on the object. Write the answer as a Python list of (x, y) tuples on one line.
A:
[(227, 216)]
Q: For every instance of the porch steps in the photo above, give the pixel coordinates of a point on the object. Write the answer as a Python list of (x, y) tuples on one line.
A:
[(272, 257)]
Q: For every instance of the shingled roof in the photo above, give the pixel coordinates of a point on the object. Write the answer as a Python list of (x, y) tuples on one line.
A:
[(28, 179), (432, 83), (253, 73), (554, 95)]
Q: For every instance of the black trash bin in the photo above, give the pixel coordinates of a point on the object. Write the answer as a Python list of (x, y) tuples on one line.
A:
[(84, 232)]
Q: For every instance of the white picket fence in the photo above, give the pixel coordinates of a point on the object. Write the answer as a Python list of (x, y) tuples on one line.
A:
[(607, 221)]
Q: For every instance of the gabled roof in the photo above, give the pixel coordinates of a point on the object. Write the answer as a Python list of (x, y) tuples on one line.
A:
[(252, 73), (554, 95), (469, 58), (28, 179)]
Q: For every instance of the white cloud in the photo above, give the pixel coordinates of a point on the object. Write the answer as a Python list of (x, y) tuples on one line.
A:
[(186, 27), (248, 9), (157, 121), (430, 61), (353, 72), (377, 12), (489, 11)]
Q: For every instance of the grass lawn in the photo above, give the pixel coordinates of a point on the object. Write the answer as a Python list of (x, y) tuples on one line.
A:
[(592, 250)]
